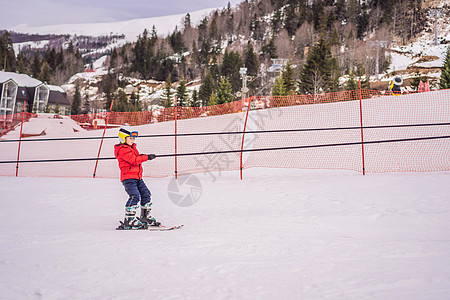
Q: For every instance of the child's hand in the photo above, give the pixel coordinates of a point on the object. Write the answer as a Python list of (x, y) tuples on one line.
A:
[(151, 156)]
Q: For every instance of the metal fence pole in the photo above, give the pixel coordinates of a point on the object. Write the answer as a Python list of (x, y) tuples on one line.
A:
[(243, 134), (20, 140), (101, 142), (362, 136), (176, 146)]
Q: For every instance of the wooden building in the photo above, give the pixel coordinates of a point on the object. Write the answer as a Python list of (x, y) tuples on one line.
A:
[(17, 89)]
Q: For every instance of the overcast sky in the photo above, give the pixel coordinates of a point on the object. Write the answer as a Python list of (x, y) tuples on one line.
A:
[(50, 12)]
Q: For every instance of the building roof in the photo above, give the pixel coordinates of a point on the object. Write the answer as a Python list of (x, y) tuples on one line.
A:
[(22, 80), (56, 88), (4, 80)]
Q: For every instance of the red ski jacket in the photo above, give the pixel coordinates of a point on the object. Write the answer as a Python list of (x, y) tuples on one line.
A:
[(129, 161)]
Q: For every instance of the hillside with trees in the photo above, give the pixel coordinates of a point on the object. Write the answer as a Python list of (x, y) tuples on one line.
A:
[(320, 40)]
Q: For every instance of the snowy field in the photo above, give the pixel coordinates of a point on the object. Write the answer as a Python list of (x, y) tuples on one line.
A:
[(278, 234)]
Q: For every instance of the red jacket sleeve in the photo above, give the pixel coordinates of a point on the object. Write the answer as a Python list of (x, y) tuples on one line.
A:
[(128, 156)]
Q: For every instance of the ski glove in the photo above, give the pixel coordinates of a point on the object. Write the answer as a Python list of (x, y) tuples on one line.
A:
[(151, 156)]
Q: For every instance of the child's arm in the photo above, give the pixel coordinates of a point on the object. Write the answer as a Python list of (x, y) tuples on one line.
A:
[(129, 157)]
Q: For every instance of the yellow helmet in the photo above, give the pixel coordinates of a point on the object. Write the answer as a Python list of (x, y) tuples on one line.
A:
[(126, 131)]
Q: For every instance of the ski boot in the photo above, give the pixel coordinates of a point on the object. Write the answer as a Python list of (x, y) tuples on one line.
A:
[(145, 217), (131, 221)]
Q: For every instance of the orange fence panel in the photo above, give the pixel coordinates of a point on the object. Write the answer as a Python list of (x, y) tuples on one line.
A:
[(405, 133)]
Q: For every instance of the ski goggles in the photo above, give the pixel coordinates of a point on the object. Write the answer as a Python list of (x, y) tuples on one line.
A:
[(134, 134)]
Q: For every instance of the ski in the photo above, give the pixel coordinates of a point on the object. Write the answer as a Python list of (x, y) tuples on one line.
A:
[(151, 228), (164, 228)]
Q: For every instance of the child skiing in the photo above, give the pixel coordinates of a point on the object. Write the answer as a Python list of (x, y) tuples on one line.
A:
[(130, 164)]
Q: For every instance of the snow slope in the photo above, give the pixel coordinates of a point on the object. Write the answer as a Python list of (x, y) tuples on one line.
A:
[(278, 234)]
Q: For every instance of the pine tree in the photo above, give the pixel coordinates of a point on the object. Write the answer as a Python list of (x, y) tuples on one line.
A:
[(224, 91), (167, 94), (122, 104), (21, 69), (206, 89), (279, 87), (212, 99), (202, 29), (187, 21), (50, 58), (214, 69), (362, 21), (251, 60), (288, 75), (205, 51), (86, 105), (316, 75), (154, 35), (291, 21), (319, 19), (256, 28), (229, 27), (135, 103), (75, 108), (276, 20), (108, 88), (231, 64), (182, 95), (176, 41), (334, 85), (70, 48), (36, 66), (44, 75), (444, 83), (352, 83), (194, 102), (213, 30), (113, 60), (7, 56), (270, 49)]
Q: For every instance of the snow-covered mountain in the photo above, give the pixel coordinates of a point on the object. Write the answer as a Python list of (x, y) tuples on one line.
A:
[(131, 28)]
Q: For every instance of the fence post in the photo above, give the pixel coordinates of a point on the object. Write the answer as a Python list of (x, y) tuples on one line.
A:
[(101, 142), (176, 146), (20, 140), (362, 136), (243, 134)]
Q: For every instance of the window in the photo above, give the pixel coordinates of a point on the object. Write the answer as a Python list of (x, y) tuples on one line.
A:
[(8, 98), (41, 98)]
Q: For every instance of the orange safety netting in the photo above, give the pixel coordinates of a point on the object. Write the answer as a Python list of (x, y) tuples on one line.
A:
[(400, 133)]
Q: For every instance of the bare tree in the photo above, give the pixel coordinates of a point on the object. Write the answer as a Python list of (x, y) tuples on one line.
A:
[(304, 37), (190, 35), (283, 42)]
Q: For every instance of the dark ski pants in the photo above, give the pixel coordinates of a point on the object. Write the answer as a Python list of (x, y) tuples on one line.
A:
[(137, 190)]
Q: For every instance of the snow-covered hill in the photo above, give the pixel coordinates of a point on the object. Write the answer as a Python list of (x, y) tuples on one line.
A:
[(131, 28)]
